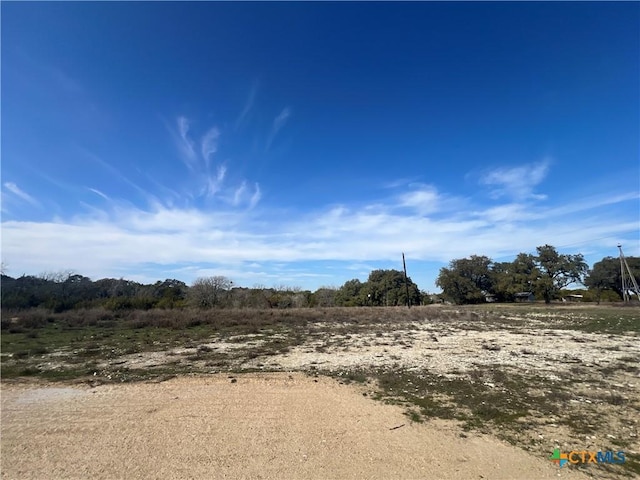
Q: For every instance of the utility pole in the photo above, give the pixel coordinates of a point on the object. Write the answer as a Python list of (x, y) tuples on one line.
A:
[(628, 280), (406, 282)]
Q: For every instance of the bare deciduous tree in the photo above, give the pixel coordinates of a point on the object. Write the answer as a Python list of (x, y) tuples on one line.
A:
[(208, 292), (57, 277)]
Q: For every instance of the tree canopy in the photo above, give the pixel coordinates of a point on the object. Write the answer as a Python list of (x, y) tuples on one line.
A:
[(382, 288), (558, 271), (606, 275), (474, 279), (466, 280)]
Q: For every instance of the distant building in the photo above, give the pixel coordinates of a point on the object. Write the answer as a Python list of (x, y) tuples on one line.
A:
[(490, 298), (572, 298), (524, 297)]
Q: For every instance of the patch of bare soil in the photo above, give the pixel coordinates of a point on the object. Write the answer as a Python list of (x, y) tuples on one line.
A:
[(444, 349), (259, 426)]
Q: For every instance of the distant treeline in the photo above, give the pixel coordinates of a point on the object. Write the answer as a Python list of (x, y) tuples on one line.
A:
[(61, 292), (543, 276), (475, 279)]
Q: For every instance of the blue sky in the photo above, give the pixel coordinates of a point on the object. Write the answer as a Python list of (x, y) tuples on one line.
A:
[(306, 144)]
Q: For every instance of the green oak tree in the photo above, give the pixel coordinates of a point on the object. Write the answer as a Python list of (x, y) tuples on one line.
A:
[(387, 288), (557, 271), (466, 280)]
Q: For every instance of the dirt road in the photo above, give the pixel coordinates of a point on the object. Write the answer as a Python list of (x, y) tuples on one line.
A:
[(257, 426)]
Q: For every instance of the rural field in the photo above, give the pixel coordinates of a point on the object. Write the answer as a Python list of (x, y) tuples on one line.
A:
[(437, 391)]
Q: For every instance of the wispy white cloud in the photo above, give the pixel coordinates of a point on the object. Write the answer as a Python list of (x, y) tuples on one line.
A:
[(278, 123), (399, 182), (21, 194), (511, 212), (516, 182), (245, 196), (281, 119), (247, 106), (593, 202), (239, 194), (195, 160), (185, 144), (255, 198), (98, 192), (118, 174), (216, 185), (424, 199), (214, 182), (210, 144), (168, 195)]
